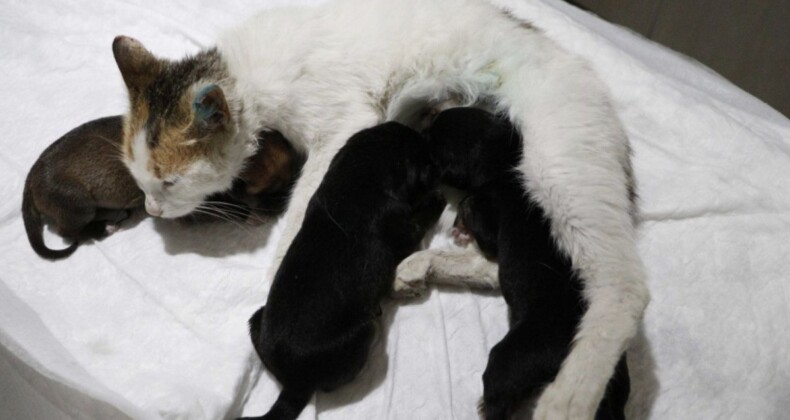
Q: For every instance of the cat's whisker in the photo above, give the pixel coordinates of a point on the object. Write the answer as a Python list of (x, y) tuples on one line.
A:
[(209, 211), (225, 204), (220, 217), (243, 207), (230, 211)]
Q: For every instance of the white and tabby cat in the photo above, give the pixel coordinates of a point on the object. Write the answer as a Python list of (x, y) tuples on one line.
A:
[(319, 74)]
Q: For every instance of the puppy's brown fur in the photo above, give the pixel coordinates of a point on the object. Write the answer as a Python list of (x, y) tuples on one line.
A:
[(80, 185), (262, 190), (270, 174)]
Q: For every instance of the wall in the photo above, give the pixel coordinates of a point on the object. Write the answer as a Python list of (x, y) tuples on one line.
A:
[(746, 41)]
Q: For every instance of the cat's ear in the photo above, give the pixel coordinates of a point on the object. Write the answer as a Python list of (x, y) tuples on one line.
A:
[(138, 66), (211, 109)]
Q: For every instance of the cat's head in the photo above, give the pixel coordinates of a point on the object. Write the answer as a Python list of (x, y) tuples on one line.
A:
[(180, 136)]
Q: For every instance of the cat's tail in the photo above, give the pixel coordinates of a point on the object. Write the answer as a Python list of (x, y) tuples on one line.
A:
[(34, 228)]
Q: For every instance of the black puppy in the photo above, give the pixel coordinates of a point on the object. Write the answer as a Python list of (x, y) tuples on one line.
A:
[(371, 210), (477, 152)]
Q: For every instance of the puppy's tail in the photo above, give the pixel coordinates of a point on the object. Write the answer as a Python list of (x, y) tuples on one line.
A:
[(34, 227), (289, 404)]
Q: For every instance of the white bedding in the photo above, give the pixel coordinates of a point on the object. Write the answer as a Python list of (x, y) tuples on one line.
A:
[(151, 322)]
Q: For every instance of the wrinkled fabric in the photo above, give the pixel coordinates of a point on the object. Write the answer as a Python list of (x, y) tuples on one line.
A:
[(151, 322)]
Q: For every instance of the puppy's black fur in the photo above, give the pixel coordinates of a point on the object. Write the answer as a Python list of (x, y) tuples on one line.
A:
[(477, 151), (374, 205)]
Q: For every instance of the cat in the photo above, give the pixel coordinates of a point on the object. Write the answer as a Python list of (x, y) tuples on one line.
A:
[(373, 207), (318, 74), (476, 152), (81, 186)]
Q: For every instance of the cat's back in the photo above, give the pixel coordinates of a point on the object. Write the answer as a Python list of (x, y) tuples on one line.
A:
[(366, 37)]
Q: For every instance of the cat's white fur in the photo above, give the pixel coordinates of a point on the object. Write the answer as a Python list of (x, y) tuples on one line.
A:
[(320, 74), (453, 267)]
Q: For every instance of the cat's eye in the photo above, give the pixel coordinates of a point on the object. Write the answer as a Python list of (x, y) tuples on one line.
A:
[(168, 184)]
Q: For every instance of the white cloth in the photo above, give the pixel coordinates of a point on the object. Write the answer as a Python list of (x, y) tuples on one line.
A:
[(151, 322)]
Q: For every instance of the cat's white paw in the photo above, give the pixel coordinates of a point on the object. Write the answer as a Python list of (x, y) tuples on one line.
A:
[(110, 229), (411, 276), (404, 290)]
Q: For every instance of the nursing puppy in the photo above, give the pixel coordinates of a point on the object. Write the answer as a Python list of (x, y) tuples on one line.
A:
[(81, 186), (478, 152), (263, 188), (371, 210), (269, 176)]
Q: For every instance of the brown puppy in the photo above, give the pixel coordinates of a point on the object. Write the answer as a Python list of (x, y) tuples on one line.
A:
[(81, 186), (269, 175), (263, 188)]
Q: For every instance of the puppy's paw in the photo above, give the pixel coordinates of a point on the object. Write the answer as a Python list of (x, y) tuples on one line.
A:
[(411, 276)]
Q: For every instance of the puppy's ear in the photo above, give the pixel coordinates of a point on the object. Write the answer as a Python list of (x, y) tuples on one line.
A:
[(137, 65), (211, 109)]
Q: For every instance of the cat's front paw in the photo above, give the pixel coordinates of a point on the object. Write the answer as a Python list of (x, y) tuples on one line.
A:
[(411, 276)]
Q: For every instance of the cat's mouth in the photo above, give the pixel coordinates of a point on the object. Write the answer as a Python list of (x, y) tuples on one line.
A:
[(153, 207), (163, 210)]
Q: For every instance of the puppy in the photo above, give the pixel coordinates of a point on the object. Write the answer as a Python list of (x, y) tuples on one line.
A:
[(371, 210), (79, 184), (269, 176), (262, 190), (478, 152)]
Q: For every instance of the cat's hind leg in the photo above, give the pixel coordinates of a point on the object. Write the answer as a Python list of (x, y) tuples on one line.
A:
[(450, 267), (576, 165)]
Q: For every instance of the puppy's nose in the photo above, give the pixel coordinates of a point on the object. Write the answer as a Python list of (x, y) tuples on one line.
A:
[(152, 207)]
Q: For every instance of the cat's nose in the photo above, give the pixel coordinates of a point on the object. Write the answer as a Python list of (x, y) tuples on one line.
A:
[(152, 207)]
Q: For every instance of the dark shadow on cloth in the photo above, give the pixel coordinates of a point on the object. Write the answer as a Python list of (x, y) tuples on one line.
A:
[(644, 382), (212, 238)]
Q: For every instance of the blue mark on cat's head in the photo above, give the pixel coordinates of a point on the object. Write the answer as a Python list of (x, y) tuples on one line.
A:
[(204, 109)]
